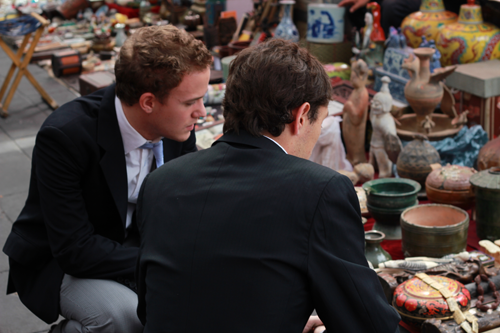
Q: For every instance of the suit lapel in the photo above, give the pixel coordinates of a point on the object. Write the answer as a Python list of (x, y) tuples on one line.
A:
[(112, 162)]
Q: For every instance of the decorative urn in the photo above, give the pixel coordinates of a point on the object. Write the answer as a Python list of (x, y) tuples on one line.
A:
[(416, 301), (426, 22), (414, 161), (450, 185), (470, 39)]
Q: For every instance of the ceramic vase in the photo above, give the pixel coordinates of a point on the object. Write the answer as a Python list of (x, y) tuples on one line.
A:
[(426, 22), (422, 94), (374, 252), (286, 29), (121, 37), (469, 39)]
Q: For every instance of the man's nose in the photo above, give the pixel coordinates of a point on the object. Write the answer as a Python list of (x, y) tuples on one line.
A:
[(200, 110)]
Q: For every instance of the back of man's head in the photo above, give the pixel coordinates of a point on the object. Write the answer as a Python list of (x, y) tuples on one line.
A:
[(155, 59), (267, 82)]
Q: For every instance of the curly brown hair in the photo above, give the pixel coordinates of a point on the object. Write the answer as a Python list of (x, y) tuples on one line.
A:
[(267, 82), (155, 59)]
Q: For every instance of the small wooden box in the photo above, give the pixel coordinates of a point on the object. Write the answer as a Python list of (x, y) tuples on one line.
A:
[(95, 81), (479, 85)]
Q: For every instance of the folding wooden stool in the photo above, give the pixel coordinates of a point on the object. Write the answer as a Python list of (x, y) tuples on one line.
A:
[(22, 26)]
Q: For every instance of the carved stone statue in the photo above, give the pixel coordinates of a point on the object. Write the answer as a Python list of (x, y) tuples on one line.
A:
[(355, 114), (385, 144)]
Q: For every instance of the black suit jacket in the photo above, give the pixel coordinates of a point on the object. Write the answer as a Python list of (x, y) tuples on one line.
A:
[(242, 237), (74, 218)]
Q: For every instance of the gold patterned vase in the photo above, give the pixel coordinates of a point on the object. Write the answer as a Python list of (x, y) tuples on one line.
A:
[(470, 39), (426, 22)]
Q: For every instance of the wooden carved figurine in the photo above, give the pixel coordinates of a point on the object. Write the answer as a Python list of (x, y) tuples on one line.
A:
[(385, 145), (355, 114)]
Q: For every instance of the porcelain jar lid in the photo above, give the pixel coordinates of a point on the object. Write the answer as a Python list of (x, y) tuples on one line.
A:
[(451, 178), (417, 301)]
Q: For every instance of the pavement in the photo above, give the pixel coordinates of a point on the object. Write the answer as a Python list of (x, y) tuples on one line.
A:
[(27, 112)]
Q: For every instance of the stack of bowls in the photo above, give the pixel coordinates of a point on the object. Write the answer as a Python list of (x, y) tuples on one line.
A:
[(387, 198)]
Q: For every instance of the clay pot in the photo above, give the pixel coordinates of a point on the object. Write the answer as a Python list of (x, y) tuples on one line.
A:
[(416, 301), (426, 22), (434, 230), (415, 160), (450, 185), (489, 155)]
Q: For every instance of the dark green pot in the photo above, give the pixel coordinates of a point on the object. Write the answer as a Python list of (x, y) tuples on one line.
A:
[(486, 186), (391, 193)]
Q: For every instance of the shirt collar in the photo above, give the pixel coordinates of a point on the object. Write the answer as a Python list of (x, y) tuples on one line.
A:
[(276, 143), (131, 138)]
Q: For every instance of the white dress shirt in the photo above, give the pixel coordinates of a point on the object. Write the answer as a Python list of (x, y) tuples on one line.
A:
[(276, 143), (138, 160)]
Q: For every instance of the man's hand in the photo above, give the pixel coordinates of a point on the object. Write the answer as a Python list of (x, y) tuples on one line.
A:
[(314, 325), (355, 4)]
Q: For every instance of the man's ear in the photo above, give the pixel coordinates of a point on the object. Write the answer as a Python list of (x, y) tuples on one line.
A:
[(147, 102), (300, 116)]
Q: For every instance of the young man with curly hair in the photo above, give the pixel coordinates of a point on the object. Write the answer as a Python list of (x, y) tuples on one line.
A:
[(249, 235), (74, 247)]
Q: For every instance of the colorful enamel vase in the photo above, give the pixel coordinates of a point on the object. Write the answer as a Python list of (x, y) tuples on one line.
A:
[(468, 40), (426, 22)]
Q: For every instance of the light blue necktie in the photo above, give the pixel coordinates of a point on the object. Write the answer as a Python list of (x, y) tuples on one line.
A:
[(157, 151)]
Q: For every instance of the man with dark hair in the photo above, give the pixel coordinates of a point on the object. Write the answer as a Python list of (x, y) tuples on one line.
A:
[(250, 236), (76, 237)]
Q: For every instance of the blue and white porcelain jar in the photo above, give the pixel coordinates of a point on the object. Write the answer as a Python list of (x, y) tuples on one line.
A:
[(325, 23)]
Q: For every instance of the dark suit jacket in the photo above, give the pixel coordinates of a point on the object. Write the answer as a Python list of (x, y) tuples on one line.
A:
[(242, 237), (74, 218)]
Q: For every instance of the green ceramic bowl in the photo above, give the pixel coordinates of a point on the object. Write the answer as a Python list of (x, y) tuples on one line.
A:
[(391, 193)]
